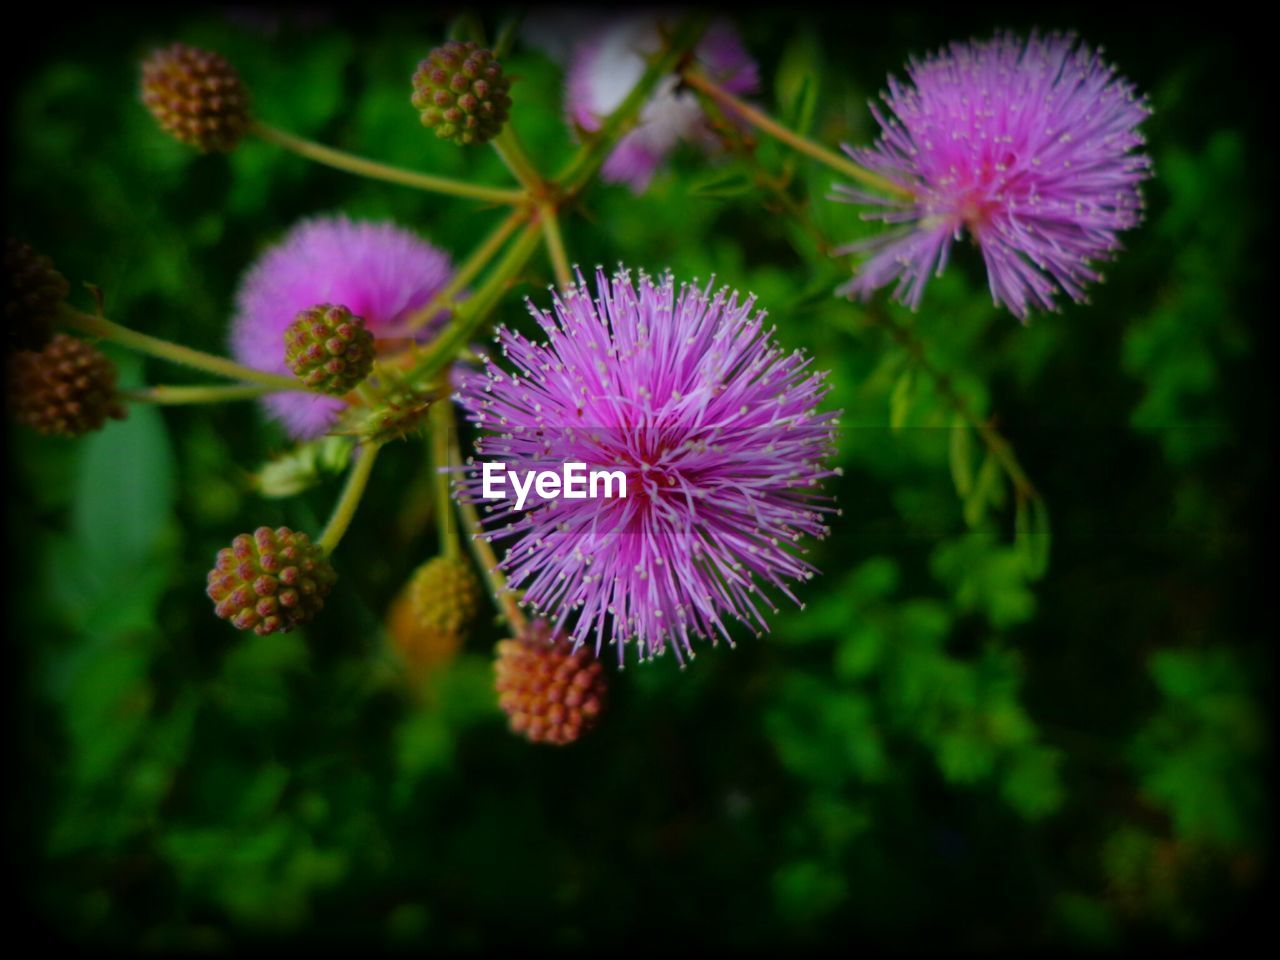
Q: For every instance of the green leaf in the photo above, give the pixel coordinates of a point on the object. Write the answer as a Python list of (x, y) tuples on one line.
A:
[(1032, 536), (303, 467), (985, 491), (960, 455), (125, 494), (723, 184), (900, 399)]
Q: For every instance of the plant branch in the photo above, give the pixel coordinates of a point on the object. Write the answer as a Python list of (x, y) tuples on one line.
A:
[(344, 510), (469, 269), (351, 163), (442, 426), (176, 353), (766, 124), (554, 240), (471, 315), (508, 148), (597, 146), (165, 395), (503, 596)]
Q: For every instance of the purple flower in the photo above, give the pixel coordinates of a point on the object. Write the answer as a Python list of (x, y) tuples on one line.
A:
[(713, 425), (1029, 147), (607, 65), (378, 271)]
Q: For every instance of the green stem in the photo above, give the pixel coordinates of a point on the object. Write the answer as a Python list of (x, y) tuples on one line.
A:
[(349, 162), (508, 148), (763, 122), (469, 269), (180, 396), (504, 597), (471, 315), (175, 353), (597, 146), (344, 510), (441, 415), (992, 439), (554, 240)]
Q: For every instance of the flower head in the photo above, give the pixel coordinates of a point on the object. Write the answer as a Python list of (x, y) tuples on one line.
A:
[(328, 348), (608, 63), (460, 91), (378, 271), (196, 96), (33, 292), (716, 431), (1031, 147), (65, 389), (550, 691), (270, 581)]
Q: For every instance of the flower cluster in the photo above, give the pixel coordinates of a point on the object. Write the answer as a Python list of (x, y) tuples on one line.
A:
[(1030, 147)]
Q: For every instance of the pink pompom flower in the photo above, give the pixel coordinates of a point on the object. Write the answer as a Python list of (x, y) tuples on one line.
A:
[(1031, 147), (377, 270), (717, 431), (608, 63)]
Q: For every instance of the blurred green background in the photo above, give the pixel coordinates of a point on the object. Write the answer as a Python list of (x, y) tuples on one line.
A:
[(937, 750)]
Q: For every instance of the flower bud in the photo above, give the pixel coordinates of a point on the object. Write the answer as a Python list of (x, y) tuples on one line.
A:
[(197, 96), (65, 390), (550, 692), (270, 581), (33, 291), (328, 348), (461, 93)]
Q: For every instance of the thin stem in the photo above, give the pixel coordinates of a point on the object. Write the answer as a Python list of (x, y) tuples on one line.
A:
[(351, 163), (471, 315), (503, 596), (174, 352), (555, 246), (508, 148), (165, 395), (469, 269), (597, 146), (441, 415), (763, 122), (344, 510), (992, 439)]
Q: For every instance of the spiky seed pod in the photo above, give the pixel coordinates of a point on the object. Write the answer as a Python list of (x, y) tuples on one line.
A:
[(461, 93), (197, 97), (439, 603), (33, 291), (65, 390), (270, 581), (445, 593), (550, 692), (329, 349)]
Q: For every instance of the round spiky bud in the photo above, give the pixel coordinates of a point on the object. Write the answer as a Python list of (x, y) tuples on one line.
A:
[(445, 594), (328, 348), (33, 291), (270, 581), (197, 96), (440, 601), (550, 692), (65, 390), (461, 93)]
